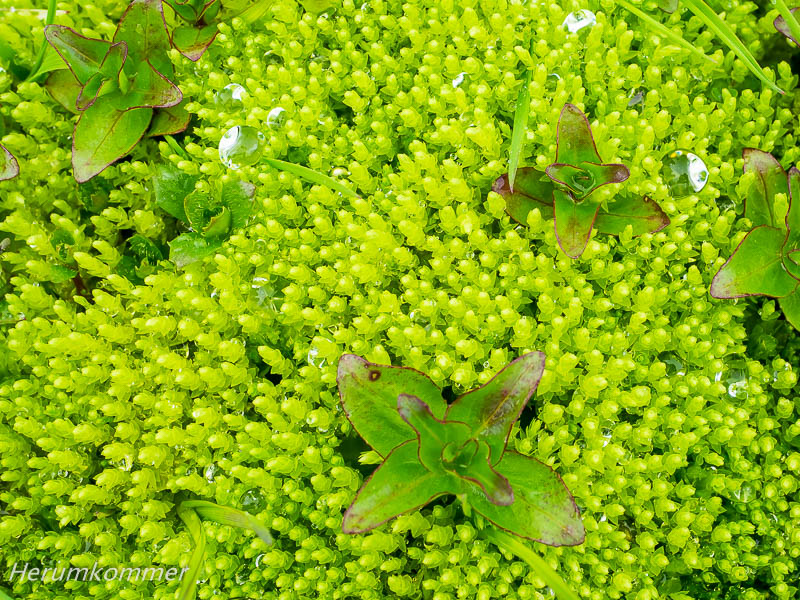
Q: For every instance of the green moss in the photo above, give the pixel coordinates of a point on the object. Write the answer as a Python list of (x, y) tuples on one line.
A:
[(672, 417)]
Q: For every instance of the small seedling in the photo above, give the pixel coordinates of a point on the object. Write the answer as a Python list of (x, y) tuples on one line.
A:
[(767, 261), (563, 191)]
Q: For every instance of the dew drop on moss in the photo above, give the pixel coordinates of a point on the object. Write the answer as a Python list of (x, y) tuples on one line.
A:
[(580, 19), (460, 79), (684, 173), (211, 473), (253, 501), (276, 118), (241, 146), (229, 98)]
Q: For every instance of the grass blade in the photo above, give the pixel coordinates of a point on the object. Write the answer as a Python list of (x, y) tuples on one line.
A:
[(228, 516), (36, 70), (520, 127), (665, 31), (195, 527), (789, 18), (724, 32), (310, 175)]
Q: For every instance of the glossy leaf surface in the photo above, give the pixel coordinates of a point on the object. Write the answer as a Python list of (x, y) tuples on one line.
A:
[(573, 221), (532, 189), (641, 213)]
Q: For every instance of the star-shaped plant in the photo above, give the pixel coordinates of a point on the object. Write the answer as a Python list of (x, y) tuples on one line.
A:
[(767, 261), (116, 87), (430, 449), (9, 167), (563, 191)]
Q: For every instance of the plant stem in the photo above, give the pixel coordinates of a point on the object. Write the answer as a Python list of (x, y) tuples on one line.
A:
[(514, 545), (51, 16), (788, 16)]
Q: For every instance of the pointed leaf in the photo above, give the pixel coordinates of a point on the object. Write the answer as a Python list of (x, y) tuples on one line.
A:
[(480, 472), (432, 434), (171, 187), (64, 89), (492, 409), (103, 135), (169, 121), (192, 41), (83, 55), (790, 305), (574, 140), (784, 25), (232, 517), (369, 393), (401, 484), (641, 213), (543, 509), (771, 180), (114, 61), (143, 28), (9, 167), (310, 175), (520, 127), (199, 208), (573, 222), (238, 197), (191, 247), (185, 10), (533, 189), (219, 226), (586, 177), (195, 527), (755, 268), (89, 92), (150, 89), (793, 215), (51, 61), (791, 265)]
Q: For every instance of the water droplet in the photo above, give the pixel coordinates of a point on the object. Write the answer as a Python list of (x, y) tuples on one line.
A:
[(684, 173), (230, 97), (737, 384), (276, 118), (724, 204), (314, 358), (744, 493), (241, 146), (211, 472), (460, 79), (551, 81), (272, 58), (321, 61), (258, 560), (253, 501), (674, 367), (578, 20)]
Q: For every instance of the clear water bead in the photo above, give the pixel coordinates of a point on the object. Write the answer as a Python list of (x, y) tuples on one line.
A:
[(684, 173), (580, 19), (241, 146), (276, 118), (459, 79), (230, 97)]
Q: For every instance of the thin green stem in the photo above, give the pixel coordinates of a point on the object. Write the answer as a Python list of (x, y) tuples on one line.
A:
[(514, 545), (791, 20), (310, 175), (51, 16)]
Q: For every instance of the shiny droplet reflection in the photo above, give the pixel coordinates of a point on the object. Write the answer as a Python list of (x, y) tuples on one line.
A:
[(230, 97), (241, 146), (460, 79), (276, 118), (580, 19), (684, 173)]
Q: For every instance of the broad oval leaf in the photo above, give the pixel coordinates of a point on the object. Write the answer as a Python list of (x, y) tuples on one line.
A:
[(191, 247), (641, 213), (399, 485), (532, 189), (83, 55), (755, 268), (432, 433), (103, 135), (238, 197), (172, 186), (143, 28), (573, 222), (543, 509), (793, 214), (169, 121), (193, 41), (9, 167), (790, 305), (574, 140), (149, 89), (584, 178), (492, 409), (64, 89), (771, 179), (200, 208), (369, 394), (479, 472)]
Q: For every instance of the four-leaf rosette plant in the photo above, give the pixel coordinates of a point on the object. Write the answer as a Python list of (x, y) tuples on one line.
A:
[(767, 261), (430, 449), (564, 190), (121, 89)]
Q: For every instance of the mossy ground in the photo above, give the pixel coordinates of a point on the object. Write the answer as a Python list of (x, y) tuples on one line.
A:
[(672, 417)]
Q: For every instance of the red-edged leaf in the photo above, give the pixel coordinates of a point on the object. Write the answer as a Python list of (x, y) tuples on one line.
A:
[(169, 121), (771, 180), (573, 222), (83, 55), (641, 213), (543, 509), (432, 434), (793, 215), (369, 393), (103, 135), (782, 26), (476, 468), (791, 264), (532, 189), (574, 140), (185, 10), (492, 409), (9, 167), (582, 179), (64, 89), (790, 305), (755, 268), (192, 41), (143, 28), (149, 89), (399, 485), (88, 93)]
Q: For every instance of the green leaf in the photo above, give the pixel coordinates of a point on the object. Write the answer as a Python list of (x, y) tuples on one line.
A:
[(492, 409), (582, 179), (46, 50), (193, 41), (83, 55), (59, 274), (478, 471), (169, 121), (533, 190), (668, 6), (64, 89), (791, 264), (641, 213), (191, 247), (520, 126), (793, 215), (89, 92), (573, 222), (755, 268), (790, 305), (401, 484), (369, 393), (238, 197), (142, 27), (224, 515), (149, 89), (574, 140), (103, 135), (144, 249), (9, 167), (310, 175), (195, 527), (184, 10), (771, 180), (219, 226), (199, 208), (171, 186), (543, 509), (51, 61), (432, 433), (786, 22)]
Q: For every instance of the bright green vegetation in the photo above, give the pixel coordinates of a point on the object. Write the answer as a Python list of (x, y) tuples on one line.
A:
[(128, 384)]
